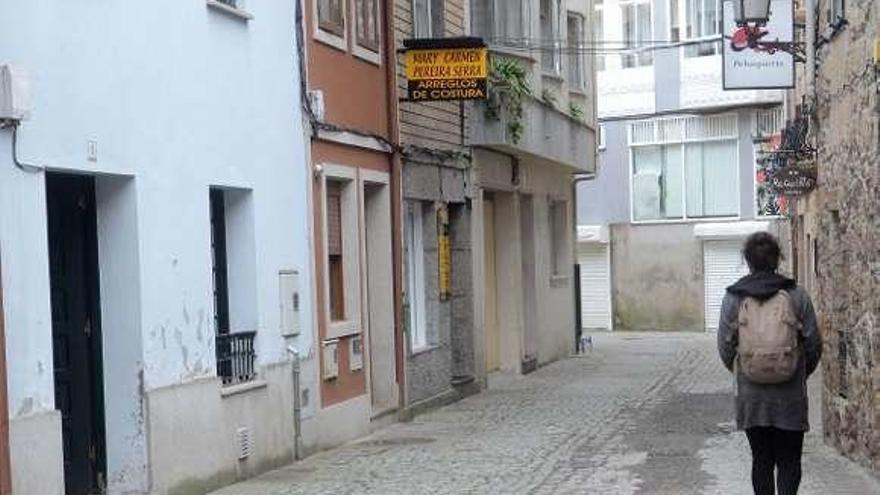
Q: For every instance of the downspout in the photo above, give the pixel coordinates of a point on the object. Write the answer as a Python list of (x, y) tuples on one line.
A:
[(390, 56), (576, 286), (811, 53), (5, 467)]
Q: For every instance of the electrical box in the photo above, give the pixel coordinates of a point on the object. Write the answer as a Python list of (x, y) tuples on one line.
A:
[(288, 282), (330, 350), (356, 353), (15, 93)]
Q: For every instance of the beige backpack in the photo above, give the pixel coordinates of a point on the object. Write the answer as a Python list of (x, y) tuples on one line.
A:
[(769, 345)]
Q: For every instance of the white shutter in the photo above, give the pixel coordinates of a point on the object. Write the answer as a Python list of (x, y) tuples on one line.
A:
[(595, 286), (723, 265)]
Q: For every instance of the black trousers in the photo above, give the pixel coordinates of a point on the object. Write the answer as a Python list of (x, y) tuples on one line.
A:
[(779, 450)]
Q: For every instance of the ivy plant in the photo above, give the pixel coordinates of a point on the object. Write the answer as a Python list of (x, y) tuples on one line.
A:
[(508, 89)]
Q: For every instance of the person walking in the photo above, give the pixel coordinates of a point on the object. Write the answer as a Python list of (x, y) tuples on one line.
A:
[(768, 338)]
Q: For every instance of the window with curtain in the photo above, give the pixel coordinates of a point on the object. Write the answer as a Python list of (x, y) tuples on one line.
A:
[(575, 32), (599, 32), (428, 19), (691, 180), (637, 30), (703, 27), (367, 23), (331, 16)]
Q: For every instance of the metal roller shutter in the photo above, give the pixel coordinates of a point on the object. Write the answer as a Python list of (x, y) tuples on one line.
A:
[(595, 286), (723, 265)]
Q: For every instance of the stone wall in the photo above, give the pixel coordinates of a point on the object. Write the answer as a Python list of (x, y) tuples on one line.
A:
[(847, 211)]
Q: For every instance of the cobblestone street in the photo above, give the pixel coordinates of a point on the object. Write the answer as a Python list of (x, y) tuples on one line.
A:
[(640, 413)]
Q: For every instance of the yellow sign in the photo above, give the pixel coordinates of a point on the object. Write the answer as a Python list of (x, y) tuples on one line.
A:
[(447, 73), (445, 253)]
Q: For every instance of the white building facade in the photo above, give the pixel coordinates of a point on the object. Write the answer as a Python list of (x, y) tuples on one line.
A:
[(679, 184), (154, 227)]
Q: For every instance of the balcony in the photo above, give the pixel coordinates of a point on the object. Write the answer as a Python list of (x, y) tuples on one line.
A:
[(547, 135)]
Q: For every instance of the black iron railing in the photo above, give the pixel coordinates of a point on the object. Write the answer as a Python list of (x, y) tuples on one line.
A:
[(236, 357)]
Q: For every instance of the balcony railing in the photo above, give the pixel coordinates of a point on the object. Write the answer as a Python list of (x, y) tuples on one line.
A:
[(236, 357), (769, 122)]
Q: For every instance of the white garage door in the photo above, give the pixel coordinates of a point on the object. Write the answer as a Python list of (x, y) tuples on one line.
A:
[(723, 265), (595, 286)]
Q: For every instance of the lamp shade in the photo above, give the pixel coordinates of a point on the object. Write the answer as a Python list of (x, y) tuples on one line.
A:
[(751, 11)]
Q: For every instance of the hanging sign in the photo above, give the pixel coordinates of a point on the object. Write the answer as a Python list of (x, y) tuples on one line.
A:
[(446, 70), (754, 56), (792, 181)]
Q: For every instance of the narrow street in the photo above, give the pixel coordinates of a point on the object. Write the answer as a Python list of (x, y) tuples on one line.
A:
[(640, 413)]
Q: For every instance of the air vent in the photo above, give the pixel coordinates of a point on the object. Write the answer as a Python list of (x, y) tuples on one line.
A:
[(245, 443)]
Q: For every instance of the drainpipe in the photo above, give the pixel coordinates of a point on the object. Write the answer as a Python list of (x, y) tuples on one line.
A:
[(811, 52), (576, 285), (297, 407), (396, 200), (5, 467)]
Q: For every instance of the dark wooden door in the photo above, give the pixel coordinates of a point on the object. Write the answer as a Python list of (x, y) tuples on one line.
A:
[(76, 335)]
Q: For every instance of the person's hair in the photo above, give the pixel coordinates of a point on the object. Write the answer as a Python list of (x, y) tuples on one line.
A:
[(762, 252)]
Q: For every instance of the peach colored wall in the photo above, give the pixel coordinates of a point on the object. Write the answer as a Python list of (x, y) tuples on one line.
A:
[(355, 90)]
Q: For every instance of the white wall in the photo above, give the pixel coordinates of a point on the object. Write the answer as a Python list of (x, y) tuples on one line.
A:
[(179, 97)]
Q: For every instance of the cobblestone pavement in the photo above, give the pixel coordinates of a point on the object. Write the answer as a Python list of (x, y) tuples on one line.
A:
[(639, 414)]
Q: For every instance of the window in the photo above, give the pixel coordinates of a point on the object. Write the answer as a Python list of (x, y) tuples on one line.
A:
[(218, 262), (233, 269), (550, 38), (674, 21), (500, 22), (335, 259), (428, 19), (599, 32), (689, 180), (367, 24), (576, 76), (703, 27), (558, 238), (637, 29), (836, 11), (331, 16), (415, 271)]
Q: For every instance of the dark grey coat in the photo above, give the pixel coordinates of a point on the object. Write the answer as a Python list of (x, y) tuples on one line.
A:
[(783, 405)]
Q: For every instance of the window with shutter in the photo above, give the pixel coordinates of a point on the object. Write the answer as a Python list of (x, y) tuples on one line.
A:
[(334, 251)]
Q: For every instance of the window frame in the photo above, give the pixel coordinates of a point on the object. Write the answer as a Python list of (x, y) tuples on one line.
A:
[(351, 241), (700, 42), (635, 44), (430, 25), (576, 72), (558, 220), (336, 36), (685, 218), (369, 50), (416, 295), (555, 38), (598, 33)]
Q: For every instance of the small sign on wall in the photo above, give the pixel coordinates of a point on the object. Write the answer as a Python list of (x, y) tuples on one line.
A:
[(756, 60), (448, 69), (444, 253)]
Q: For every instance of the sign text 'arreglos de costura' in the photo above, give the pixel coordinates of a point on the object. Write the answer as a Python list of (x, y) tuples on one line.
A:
[(446, 74)]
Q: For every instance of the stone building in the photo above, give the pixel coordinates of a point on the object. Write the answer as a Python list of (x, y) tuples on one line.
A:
[(837, 225), (439, 320)]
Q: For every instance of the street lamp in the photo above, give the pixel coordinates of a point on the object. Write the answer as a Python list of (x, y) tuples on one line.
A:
[(755, 12)]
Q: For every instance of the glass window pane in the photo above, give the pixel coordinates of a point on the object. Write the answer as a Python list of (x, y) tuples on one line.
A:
[(645, 29), (421, 19), (711, 175), (438, 19), (647, 172), (548, 38), (673, 182)]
